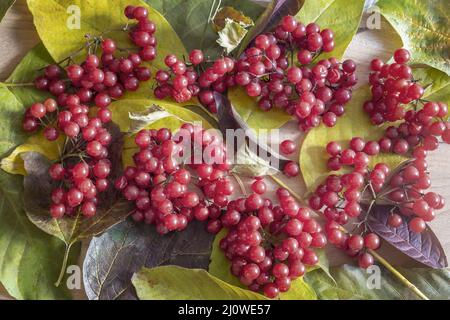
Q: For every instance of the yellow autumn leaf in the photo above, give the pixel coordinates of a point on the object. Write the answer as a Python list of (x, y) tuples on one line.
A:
[(177, 283), (38, 143)]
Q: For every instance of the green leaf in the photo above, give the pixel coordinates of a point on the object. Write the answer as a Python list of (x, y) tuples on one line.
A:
[(251, 113), (341, 16), (190, 20), (177, 283), (25, 72), (358, 284), (205, 115), (323, 264), (231, 35), (355, 123), (99, 18), (423, 27), (11, 113), (220, 268), (436, 81), (4, 7), (29, 259)]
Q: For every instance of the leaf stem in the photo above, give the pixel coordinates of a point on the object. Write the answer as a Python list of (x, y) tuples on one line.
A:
[(64, 265), (379, 258)]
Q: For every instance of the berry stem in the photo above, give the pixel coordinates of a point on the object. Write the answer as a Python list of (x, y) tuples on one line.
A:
[(383, 261), (64, 265), (374, 195), (70, 58)]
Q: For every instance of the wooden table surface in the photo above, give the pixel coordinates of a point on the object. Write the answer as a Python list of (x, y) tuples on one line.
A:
[(18, 36)]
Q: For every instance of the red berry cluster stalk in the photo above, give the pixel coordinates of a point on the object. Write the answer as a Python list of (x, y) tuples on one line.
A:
[(397, 96), (276, 69), (159, 182), (270, 245)]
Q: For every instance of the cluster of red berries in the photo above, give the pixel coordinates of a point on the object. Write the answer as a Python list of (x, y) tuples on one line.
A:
[(396, 96), (98, 80), (84, 166), (73, 120), (311, 94), (270, 245), (341, 197), (356, 155), (82, 172), (197, 78), (342, 194), (158, 183), (83, 169)]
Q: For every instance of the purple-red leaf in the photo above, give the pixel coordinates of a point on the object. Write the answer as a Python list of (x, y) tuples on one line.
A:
[(423, 247)]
